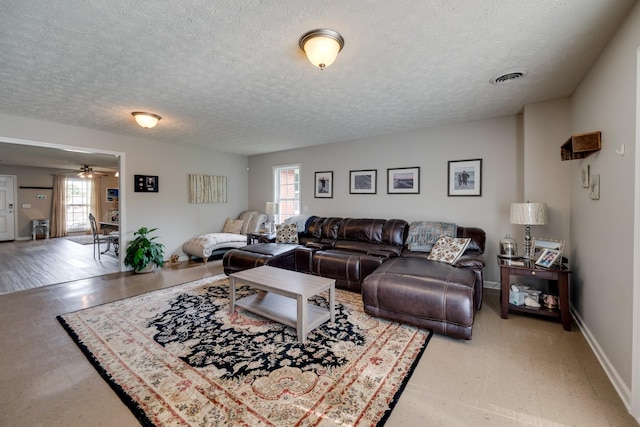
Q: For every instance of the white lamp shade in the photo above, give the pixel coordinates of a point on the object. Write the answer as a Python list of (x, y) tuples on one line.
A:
[(146, 120), (271, 208), (529, 213)]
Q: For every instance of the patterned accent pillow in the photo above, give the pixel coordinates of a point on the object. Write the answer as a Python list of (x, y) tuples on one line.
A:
[(232, 226), (286, 233), (448, 249)]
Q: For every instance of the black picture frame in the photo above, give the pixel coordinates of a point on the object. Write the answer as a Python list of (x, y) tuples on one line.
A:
[(363, 181), (464, 178), (145, 183), (403, 180), (323, 185)]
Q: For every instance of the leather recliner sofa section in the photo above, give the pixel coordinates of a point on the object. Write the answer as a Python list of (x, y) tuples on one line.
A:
[(349, 249), (370, 256)]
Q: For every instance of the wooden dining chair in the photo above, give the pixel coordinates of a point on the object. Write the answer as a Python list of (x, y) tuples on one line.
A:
[(109, 239)]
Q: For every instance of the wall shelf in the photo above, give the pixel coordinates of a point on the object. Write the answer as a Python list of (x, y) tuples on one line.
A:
[(581, 145)]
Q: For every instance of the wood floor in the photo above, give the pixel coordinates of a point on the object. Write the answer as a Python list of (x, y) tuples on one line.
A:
[(27, 264)]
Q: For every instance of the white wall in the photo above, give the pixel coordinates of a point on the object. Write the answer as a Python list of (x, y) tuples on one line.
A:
[(602, 230), (546, 178), (497, 141), (169, 210)]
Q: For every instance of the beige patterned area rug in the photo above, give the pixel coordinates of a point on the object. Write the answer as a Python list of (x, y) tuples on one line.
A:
[(176, 356)]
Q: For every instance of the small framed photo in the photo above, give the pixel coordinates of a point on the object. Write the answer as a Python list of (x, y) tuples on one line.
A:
[(403, 180), (585, 176), (548, 258), (465, 178), (324, 185), (363, 182), (145, 183), (539, 245), (112, 194)]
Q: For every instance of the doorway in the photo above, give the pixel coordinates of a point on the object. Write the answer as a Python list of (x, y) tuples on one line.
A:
[(7, 208)]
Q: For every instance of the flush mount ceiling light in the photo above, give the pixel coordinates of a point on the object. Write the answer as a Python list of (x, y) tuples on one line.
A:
[(321, 46), (146, 120), (509, 76)]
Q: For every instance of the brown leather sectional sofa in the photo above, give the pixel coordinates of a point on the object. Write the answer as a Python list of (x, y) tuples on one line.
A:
[(370, 256)]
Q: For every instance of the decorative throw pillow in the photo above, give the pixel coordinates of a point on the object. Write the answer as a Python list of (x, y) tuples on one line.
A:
[(286, 233), (232, 226), (448, 249)]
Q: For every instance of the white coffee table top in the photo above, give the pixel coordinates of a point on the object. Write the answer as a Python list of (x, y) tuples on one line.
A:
[(286, 282)]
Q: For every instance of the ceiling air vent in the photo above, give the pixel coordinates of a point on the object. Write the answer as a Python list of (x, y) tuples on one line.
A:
[(508, 77)]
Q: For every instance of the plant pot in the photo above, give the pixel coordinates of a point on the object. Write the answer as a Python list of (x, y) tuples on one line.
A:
[(148, 269)]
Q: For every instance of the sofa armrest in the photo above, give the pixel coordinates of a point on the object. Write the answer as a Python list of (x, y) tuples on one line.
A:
[(471, 260), (319, 245), (383, 254)]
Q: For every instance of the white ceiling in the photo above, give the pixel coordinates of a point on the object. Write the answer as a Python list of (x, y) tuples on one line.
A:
[(229, 74)]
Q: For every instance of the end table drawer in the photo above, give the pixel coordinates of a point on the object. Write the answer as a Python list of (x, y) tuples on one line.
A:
[(544, 274)]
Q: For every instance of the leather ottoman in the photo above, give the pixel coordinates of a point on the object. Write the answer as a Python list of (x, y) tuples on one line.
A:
[(427, 294), (280, 255)]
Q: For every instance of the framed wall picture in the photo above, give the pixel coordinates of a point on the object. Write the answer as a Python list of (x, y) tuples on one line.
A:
[(145, 183), (112, 194), (363, 182), (403, 180), (324, 185), (465, 178)]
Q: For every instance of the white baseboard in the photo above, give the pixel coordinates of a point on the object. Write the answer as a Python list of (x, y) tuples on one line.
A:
[(621, 388), (491, 285)]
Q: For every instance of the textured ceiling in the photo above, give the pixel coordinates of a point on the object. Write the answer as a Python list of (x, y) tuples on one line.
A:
[(229, 74)]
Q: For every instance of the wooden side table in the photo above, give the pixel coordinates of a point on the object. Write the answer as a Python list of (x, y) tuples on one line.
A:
[(558, 277)]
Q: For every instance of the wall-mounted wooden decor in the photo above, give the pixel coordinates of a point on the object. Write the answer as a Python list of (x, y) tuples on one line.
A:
[(207, 188), (581, 145)]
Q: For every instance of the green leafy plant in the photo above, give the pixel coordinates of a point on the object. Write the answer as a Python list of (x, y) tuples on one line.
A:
[(143, 250)]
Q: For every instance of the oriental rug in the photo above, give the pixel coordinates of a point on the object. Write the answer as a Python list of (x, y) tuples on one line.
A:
[(176, 356)]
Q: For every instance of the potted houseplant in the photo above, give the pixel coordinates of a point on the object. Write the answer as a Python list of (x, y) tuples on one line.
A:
[(143, 254)]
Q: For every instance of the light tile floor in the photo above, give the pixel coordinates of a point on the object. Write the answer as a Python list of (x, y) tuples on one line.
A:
[(522, 371)]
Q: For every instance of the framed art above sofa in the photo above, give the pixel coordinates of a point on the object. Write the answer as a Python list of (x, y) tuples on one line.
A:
[(363, 181), (403, 180), (464, 178), (324, 184)]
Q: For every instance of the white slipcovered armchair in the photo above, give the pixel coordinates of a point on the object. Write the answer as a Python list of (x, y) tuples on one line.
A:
[(233, 235)]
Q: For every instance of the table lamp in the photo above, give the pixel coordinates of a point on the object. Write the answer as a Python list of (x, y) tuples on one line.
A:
[(271, 210), (528, 214)]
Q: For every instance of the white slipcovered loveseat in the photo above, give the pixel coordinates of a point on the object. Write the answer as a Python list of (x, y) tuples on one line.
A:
[(233, 235)]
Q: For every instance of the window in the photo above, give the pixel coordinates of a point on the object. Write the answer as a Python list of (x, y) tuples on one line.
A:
[(78, 204), (287, 191)]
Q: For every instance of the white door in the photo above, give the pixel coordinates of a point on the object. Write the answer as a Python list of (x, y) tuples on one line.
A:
[(7, 208)]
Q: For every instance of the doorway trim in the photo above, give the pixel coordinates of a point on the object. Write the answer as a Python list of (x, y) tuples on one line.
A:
[(635, 357)]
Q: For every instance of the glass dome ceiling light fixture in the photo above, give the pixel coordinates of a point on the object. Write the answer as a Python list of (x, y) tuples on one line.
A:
[(146, 120), (321, 46)]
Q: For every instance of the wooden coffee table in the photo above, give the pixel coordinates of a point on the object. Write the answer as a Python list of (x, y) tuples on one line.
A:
[(286, 298)]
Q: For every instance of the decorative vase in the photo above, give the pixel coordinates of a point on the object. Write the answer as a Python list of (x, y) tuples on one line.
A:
[(508, 248), (148, 269)]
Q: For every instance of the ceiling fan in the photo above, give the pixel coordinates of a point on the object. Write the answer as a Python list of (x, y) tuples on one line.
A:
[(87, 172)]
